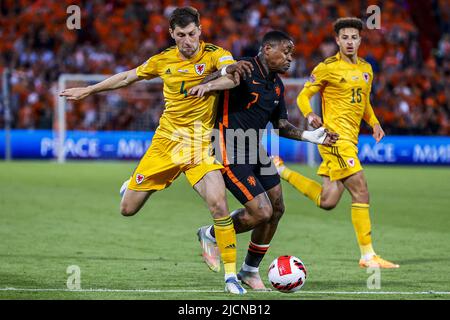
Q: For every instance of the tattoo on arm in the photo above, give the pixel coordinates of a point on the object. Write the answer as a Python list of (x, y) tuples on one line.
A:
[(288, 130), (211, 77)]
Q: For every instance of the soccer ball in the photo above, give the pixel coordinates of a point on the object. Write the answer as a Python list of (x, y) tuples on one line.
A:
[(287, 274)]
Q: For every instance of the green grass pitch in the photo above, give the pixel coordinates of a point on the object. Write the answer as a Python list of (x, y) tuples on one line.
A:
[(54, 216)]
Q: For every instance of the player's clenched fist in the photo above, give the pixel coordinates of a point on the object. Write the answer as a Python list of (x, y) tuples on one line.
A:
[(378, 133), (314, 120)]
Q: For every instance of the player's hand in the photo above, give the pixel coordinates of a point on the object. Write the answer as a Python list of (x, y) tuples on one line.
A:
[(320, 136), (331, 138), (378, 133), (314, 120), (75, 93), (241, 68), (200, 90)]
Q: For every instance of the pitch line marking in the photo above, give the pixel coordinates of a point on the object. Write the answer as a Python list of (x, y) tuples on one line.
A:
[(221, 291)]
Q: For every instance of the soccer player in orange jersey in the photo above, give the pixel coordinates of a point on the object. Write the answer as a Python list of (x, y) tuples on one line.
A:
[(344, 82)]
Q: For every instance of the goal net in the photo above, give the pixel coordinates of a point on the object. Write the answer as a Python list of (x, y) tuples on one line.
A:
[(119, 124)]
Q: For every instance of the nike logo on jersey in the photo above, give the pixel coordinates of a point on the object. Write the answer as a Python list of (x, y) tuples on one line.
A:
[(254, 82)]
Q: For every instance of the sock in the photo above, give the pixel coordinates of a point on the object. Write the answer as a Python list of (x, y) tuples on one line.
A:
[(308, 187), (210, 233), (226, 241), (361, 223), (254, 256)]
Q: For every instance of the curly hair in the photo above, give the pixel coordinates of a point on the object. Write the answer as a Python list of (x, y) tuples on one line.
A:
[(349, 22)]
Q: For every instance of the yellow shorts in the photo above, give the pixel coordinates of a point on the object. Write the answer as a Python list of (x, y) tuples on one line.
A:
[(339, 161), (166, 159)]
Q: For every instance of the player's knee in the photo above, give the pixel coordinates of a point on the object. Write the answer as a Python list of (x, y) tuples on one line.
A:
[(265, 213), (278, 212), (327, 205), (361, 196), (127, 211), (218, 208)]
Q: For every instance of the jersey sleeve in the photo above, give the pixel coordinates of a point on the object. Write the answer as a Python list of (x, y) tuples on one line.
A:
[(318, 78), (317, 81), (149, 69), (221, 58)]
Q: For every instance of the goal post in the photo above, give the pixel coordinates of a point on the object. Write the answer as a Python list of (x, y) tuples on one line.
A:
[(60, 129), (149, 93)]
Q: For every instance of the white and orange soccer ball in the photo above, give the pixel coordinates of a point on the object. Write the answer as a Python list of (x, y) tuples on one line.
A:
[(287, 274)]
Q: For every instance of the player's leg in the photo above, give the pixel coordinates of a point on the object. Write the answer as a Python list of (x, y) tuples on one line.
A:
[(260, 241), (331, 193), (245, 186), (325, 196), (255, 212), (132, 201), (211, 188), (155, 171), (356, 184), (257, 209)]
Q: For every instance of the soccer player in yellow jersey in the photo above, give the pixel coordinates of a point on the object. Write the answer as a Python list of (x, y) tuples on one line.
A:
[(344, 82), (182, 140)]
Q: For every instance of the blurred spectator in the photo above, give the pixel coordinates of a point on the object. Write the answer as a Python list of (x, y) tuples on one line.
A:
[(410, 92)]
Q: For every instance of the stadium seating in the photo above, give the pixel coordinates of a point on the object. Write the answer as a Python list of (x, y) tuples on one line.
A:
[(408, 95)]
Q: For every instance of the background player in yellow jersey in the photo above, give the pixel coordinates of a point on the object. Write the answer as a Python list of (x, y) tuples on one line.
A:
[(185, 119), (344, 81)]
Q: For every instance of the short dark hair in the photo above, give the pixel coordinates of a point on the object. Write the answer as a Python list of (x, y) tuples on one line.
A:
[(182, 17), (275, 37), (349, 22)]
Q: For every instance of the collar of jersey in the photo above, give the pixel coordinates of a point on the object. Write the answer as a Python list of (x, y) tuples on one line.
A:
[(338, 56), (262, 70)]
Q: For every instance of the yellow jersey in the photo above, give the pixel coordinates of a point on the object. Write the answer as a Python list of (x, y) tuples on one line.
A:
[(185, 115), (345, 91)]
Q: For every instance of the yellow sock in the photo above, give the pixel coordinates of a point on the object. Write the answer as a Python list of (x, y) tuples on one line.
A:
[(361, 223), (310, 188), (226, 241)]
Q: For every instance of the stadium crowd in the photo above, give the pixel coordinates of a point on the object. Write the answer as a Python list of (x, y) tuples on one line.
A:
[(410, 94)]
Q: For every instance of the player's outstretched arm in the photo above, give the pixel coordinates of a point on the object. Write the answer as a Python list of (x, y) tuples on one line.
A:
[(116, 81), (317, 136)]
